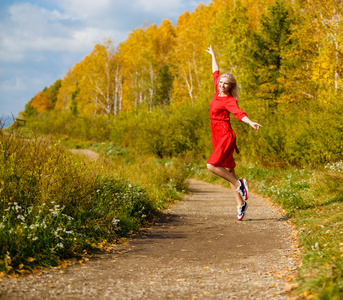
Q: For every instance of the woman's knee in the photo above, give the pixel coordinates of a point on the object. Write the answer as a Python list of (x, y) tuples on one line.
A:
[(210, 167)]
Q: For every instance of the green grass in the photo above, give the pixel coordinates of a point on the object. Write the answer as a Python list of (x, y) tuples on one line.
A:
[(313, 199)]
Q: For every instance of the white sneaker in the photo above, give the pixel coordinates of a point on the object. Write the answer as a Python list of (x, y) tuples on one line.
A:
[(243, 189), (241, 210)]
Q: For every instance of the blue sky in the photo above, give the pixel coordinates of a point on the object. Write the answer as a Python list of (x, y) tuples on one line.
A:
[(40, 40)]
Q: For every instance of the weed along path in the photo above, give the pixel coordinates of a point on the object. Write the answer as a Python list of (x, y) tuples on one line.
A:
[(196, 250)]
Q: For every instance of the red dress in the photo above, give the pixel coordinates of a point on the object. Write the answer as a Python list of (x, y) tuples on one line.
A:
[(223, 137)]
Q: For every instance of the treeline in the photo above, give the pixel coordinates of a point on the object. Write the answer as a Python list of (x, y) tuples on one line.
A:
[(286, 55)]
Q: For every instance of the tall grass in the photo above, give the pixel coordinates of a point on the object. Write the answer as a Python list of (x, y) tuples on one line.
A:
[(55, 205)]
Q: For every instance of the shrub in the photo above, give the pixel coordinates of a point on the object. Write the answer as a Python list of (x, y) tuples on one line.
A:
[(54, 205)]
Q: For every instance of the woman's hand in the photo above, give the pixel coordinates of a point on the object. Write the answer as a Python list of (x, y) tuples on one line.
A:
[(254, 125), (210, 50), (215, 66)]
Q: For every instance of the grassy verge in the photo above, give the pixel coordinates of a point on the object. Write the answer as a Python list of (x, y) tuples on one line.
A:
[(313, 199), (56, 206)]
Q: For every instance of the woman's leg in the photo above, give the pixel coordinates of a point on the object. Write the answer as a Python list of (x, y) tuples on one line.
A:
[(229, 175)]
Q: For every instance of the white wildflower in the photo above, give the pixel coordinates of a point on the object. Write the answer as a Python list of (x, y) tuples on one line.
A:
[(21, 217), (115, 221)]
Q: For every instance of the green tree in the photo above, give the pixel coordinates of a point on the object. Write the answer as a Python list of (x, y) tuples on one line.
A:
[(53, 90), (164, 85), (266, 53), (29, 111), (73, 105)]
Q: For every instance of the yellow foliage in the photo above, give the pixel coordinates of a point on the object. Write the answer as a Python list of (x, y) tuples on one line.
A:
[(41, 102)]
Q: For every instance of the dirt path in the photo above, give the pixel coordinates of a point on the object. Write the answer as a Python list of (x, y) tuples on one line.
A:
[(196, 250), (85, 152)]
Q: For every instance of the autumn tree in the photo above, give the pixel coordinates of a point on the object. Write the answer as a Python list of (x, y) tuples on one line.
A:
[(318, 53), (191, 61), (94, 85), (69, 86), (42, 102), (145, 59), (100, 85)]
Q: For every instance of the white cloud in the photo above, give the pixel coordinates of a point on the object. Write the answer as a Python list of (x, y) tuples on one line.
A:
[(31, 28), (160, 7), (83, 9)]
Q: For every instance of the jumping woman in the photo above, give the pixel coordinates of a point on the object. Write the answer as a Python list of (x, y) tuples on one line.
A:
[(221, 161)]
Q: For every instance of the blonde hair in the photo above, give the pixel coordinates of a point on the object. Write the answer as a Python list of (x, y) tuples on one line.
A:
[(233, 84)]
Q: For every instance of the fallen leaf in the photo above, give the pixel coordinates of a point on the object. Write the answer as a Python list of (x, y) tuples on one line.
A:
[(307, 293), (24, 272), (290, 287), (36, 271), (30, 259)]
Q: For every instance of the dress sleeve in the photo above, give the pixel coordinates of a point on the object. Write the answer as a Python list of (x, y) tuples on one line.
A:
[(216, 75), (232, 106)]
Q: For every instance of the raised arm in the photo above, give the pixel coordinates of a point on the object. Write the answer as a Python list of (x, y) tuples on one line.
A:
[(214, 61)]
